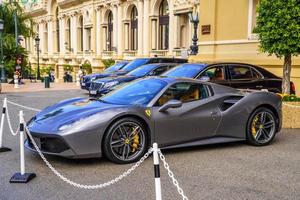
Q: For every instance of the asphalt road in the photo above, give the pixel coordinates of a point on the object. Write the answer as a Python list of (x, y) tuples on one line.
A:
[(229, 171)]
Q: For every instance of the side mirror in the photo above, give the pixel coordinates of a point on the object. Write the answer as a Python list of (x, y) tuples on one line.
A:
[(170, 104), (205, 78)]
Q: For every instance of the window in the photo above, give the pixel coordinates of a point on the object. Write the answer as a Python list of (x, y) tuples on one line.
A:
[(240, 72), (255, 74), (57, 31), (109, 39), (214, 73), (46, 38), (185, 70), (164, 25), (80, 34), (134, 29), (158, 71), (252, 16), (88, 38), (184, 92), (68, 34)]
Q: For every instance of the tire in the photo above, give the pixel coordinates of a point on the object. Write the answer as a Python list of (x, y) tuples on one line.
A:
[(261, 127), (125, 141)]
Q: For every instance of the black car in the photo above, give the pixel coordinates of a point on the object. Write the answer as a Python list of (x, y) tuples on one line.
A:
[(132, 66), (236, 75), (104, 85), (87, 79)]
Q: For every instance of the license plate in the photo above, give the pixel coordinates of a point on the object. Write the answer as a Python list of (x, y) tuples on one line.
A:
[(93, 92), (83, 84)]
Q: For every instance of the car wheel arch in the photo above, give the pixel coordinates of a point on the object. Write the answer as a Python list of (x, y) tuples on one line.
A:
[(140, 119)]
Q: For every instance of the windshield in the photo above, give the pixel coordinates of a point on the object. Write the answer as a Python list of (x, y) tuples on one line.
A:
[(185, 70), (115, 67), (142, 71), (137, 93), (135, 64)]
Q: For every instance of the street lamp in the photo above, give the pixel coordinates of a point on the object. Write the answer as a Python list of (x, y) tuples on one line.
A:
[(194, 19), (37, 43), (3, 76)]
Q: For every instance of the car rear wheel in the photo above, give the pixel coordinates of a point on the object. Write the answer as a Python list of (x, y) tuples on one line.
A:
[(125, 141), (261, 128)]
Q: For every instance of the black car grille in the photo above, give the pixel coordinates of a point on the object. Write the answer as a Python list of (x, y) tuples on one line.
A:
[(96, 86), (49, 144)]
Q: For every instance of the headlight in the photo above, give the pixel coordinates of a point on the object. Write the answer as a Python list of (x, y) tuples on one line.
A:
[(94, 78), (110, 84)]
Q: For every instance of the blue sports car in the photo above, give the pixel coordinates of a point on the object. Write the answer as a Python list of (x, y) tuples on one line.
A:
[(104, 85)]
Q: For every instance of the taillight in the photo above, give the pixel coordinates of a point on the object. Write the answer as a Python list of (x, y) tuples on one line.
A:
[(293, 89)]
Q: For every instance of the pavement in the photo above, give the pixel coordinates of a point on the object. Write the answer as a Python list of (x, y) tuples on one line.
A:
[(228, 171), (37, 87)]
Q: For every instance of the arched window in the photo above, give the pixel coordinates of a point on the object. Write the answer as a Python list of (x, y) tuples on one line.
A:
[(68, 34), (80, 34), (134, 28), (46, 37), (110, 31), (57, 30), (164, 25)]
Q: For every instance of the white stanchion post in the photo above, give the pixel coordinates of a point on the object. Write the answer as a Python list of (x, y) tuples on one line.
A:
[(77, 79), (16, 81), (156, 172), (22, 177), (3, 149)]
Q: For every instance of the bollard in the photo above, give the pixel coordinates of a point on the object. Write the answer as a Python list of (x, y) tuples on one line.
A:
[(156, 172), (16, 81), (3, 149), (22, 177), (77, 79)]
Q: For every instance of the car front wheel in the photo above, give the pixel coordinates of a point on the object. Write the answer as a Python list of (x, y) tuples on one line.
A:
[(125, 141)]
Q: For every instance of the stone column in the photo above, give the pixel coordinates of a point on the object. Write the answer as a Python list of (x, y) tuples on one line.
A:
[(120, 40), (62, 35), (172, 27), (84, 36), (126, 36), (98, 32), (50, 37), (73, 30), (41, 36), (140, 27), (154, 38), (146, 37), (115, 26)]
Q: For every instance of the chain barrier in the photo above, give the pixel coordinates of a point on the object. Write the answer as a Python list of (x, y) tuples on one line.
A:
[(26, 107), (14, 133), (290, 105), (82, 186), (171, 175)]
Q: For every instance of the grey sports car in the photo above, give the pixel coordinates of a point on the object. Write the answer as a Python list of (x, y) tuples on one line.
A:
[(174, 112)]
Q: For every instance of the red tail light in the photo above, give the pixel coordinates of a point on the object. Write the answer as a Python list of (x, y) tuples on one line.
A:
[(293, 89)]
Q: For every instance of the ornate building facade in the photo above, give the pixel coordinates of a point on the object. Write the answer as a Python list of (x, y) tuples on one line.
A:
[(73, 32)]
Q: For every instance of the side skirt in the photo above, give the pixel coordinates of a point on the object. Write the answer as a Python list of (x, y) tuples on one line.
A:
[(214, 140)]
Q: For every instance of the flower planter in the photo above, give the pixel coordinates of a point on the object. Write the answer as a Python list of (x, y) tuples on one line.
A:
[(291, 115)]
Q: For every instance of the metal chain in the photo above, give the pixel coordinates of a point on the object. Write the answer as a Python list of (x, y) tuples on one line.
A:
[(82, 186), (171, 175), (26, 107), (14, 133)]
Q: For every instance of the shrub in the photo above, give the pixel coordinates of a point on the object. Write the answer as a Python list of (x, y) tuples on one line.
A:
[(87, 68), (108, 62), (68, 67), (289, 98)]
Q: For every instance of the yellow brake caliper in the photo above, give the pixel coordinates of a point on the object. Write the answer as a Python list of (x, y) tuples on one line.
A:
[(253, 129), (136, 141)]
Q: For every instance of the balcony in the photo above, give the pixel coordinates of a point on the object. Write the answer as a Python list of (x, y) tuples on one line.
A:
[(107, 54), (180, 53), (159, 53), (129, 55)]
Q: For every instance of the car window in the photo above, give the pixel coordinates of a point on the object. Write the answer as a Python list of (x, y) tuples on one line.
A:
[(184, 92), (115, 67), (240, 72), (185, 70), (158, 71), (135, 64), (214, 74), (255, 74)]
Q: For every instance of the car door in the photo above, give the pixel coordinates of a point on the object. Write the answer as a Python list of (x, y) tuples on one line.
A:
[(216, 74), (197, 118), (241, 77)]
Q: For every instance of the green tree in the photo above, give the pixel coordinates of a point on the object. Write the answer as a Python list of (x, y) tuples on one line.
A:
[(278, 26), (10, 50)]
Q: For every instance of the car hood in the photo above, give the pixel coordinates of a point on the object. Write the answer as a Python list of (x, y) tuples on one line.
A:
[(66, 113)]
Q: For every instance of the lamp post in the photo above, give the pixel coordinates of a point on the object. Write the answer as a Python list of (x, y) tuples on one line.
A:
[(37, 44), (3, 76), (194, 19)]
